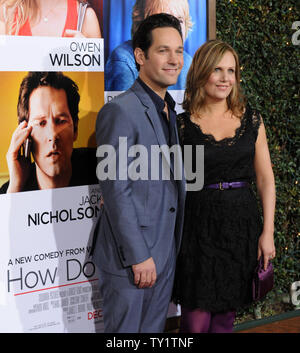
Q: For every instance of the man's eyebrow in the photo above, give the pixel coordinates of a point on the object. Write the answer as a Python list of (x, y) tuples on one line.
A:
[(42, 116), (167, 46), (38, 117), (63, 114)]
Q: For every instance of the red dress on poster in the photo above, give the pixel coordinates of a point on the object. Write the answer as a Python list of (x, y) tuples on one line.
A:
[(71, 20)]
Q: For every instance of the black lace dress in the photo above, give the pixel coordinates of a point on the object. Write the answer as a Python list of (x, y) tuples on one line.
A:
[(221, 229)]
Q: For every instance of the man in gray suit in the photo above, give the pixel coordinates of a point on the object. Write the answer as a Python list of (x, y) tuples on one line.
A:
[(139, 230)]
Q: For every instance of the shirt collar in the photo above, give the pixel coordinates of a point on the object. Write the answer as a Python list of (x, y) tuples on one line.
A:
[(157, 100)]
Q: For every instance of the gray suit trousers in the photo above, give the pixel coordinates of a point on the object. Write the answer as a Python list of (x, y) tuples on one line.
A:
[(130, 309)]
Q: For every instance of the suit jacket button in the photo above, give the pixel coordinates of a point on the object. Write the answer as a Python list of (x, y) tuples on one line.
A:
[(172, 209)]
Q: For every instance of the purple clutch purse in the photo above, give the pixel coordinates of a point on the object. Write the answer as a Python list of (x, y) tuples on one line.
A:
[(263, 280)]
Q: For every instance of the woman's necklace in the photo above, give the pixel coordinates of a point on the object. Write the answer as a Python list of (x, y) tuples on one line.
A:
[(46, 17)]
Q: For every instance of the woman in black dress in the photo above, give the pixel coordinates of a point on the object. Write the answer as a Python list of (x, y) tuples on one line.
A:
[(223, 234)]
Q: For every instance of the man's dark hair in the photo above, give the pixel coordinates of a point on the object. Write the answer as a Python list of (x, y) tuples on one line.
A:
[(48, 79), (142, 38)]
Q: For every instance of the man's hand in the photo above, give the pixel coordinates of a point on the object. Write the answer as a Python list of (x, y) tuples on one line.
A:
[(144, 273), (18, 165)]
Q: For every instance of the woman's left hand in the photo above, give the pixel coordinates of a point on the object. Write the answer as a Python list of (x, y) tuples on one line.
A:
[(266, 248)]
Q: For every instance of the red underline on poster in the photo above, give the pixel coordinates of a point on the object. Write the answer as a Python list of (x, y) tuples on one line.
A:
[(62, 285)]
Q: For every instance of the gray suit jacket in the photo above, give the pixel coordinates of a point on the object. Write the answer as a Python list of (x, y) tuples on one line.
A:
[(140, 218)]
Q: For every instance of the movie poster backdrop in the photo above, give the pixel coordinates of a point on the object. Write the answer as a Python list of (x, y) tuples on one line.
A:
[(48, 282), (120, 20)]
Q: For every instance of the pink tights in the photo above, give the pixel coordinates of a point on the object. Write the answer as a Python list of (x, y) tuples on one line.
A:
[(198, 321)]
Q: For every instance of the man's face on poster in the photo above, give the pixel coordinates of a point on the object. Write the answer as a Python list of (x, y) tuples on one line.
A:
[(53, 130)]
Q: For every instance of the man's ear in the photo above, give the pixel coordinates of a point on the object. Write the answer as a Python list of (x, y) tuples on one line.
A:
[(139, 56)]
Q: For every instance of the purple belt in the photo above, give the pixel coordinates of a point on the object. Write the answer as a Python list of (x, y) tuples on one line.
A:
[(226, 185)]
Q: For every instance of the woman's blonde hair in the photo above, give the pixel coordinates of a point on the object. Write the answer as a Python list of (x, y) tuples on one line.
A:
[(204, 62), (17, 12)]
